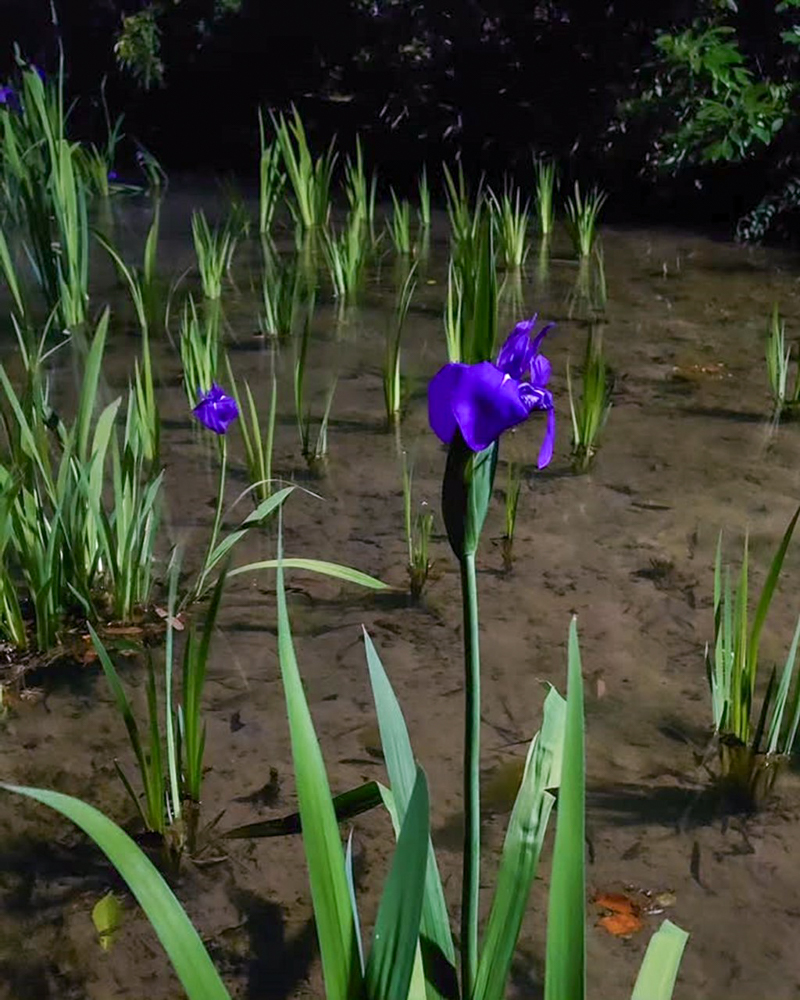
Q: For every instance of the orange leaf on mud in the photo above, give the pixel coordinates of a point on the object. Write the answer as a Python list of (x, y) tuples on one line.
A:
[(621, 924), (616, 902)]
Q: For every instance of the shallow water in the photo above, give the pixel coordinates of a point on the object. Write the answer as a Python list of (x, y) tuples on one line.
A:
[(687, 450)]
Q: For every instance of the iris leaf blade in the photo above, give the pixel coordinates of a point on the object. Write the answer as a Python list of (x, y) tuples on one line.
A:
[(335, 570), (170, 922), (521, 850), (323, 847), (390, 964), (401, 768), (565, 968)]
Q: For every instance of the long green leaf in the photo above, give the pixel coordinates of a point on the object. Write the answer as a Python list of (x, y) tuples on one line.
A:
[(565, 968), (90, 384), (438, 952), (323, 848), (769, 587), (335, 570), (260, 514), (394, 940), (347, 805), (181, 941), (656, 979), (523, 844)]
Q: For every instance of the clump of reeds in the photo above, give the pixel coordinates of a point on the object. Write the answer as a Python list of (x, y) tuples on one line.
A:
[(583, 212), (310, 179), (752, 747), (589, 411)]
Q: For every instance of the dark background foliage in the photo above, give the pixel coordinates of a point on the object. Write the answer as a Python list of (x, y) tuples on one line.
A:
[(493, 79)]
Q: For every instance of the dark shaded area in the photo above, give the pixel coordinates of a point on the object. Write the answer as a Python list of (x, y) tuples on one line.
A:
[(275, 966), (489, 79)]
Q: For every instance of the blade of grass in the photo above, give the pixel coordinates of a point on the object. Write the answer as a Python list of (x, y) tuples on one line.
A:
[(565, 967), (438, 952), (520, 858), (394, 941), (347, 805), (181, 941), (323, 847), (336, 570)]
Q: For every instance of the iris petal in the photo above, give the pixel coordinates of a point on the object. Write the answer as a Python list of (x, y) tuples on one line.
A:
[(486, 403), (515, 355), (540, 371), (441, 391), (216, 410), (537, 340), (546, 449)]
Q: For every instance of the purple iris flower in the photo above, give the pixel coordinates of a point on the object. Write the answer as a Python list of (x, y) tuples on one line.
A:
[(7, 95), (216, 410), (486, 399)]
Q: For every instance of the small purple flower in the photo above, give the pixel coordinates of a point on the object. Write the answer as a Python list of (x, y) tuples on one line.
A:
[(112, 175), (8, 96), (216, 411), (486, 399)]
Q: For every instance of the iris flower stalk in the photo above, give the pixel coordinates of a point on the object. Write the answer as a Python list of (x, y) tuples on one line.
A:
[(216, 411), (470, 406)]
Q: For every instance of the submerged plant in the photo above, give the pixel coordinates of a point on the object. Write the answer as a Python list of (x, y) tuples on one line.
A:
[(271, 179), (392, 382), (259, 440), (751, 751), (281, 288), (361, 192), (511, 217), (399, 224), (346, 256), (583, 212), (589, 412), (418, 529), (214, 250), (546, 178), (310, 179), (424, 192), (513, 486)]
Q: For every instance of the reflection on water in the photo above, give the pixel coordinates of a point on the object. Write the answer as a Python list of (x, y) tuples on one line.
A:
[(688, 449)]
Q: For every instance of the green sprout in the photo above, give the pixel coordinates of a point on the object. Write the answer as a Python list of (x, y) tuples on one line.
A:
[(582, 215), (546, 177), (589, 413)]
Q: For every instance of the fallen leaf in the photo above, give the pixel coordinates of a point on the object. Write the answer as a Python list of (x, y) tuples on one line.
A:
[(174, 621), (621, 924), (123, 630), (107, 918), (616, 902)]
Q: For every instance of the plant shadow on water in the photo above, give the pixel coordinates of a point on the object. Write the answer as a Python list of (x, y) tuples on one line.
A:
[(575, 530), (275, 965)]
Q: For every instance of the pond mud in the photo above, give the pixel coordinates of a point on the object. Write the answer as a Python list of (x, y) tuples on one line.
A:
[(688, 450)]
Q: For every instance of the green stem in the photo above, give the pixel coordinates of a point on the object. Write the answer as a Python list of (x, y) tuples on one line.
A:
[(212, 543), (472, 740)]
